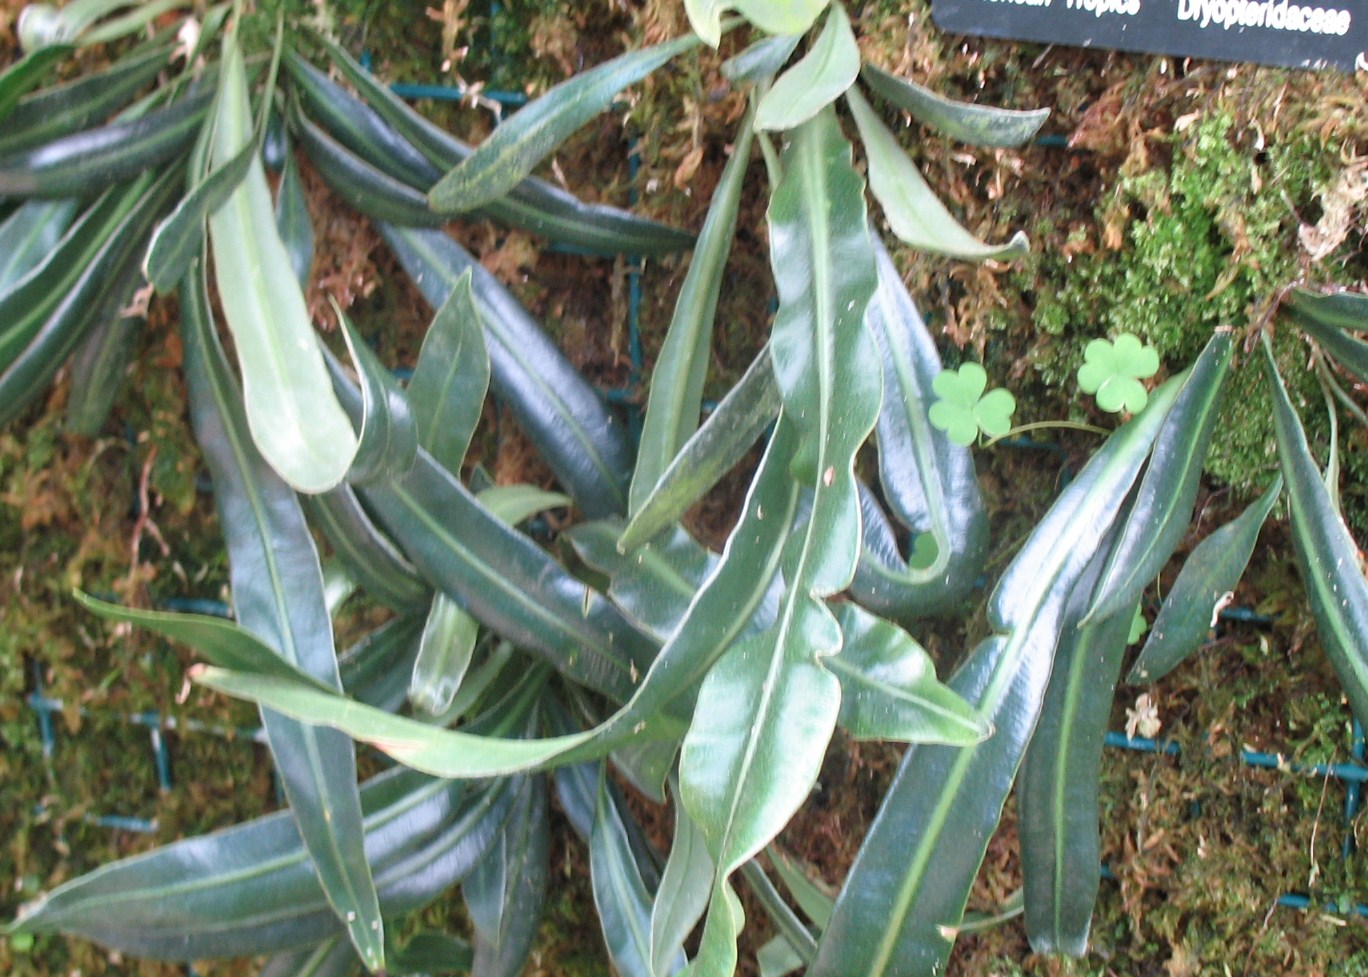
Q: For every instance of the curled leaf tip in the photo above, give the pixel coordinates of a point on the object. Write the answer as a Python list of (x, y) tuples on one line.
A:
[(1017, 247)]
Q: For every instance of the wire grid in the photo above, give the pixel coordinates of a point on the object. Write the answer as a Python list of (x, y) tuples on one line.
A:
[(1353, 774)]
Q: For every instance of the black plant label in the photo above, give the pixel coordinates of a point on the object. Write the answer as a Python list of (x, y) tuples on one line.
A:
[(1292, 33)]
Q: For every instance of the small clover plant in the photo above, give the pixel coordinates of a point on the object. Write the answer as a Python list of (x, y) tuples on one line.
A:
[(962, 409), (1113, 371)]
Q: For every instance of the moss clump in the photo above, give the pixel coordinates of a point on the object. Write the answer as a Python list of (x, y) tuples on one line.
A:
[(1205, 239), (1208, 240)]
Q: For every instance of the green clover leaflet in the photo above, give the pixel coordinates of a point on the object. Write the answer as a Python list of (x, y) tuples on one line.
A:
[(1113, 371), (963, 409)]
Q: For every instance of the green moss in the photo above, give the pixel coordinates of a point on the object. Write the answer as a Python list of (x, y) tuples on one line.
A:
[(1207, 241), (570, 938), (508, 54), (68, 517)]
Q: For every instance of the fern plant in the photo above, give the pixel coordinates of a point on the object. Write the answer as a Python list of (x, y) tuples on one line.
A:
[(713, 679)]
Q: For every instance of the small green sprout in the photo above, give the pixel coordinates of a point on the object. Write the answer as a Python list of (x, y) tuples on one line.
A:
[(1138, 627), (1113, 371), (963, 409)]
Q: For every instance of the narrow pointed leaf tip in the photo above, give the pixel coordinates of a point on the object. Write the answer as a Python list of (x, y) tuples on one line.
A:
[(1329, 557), (816, 81), (388, 443), (535, 131), (224, 643), (1209, 577), (712, 450), (447, 392), (979, 125), (295, 419), (762, 60), (180, 236), (914, 212), (1335, 319), (681, 369)]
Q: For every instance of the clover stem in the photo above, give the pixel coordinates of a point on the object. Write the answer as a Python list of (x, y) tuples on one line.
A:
[(1042, 425)]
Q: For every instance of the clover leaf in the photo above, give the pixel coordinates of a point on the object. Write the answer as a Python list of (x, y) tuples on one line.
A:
[(1113, 371), (963, 409)]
